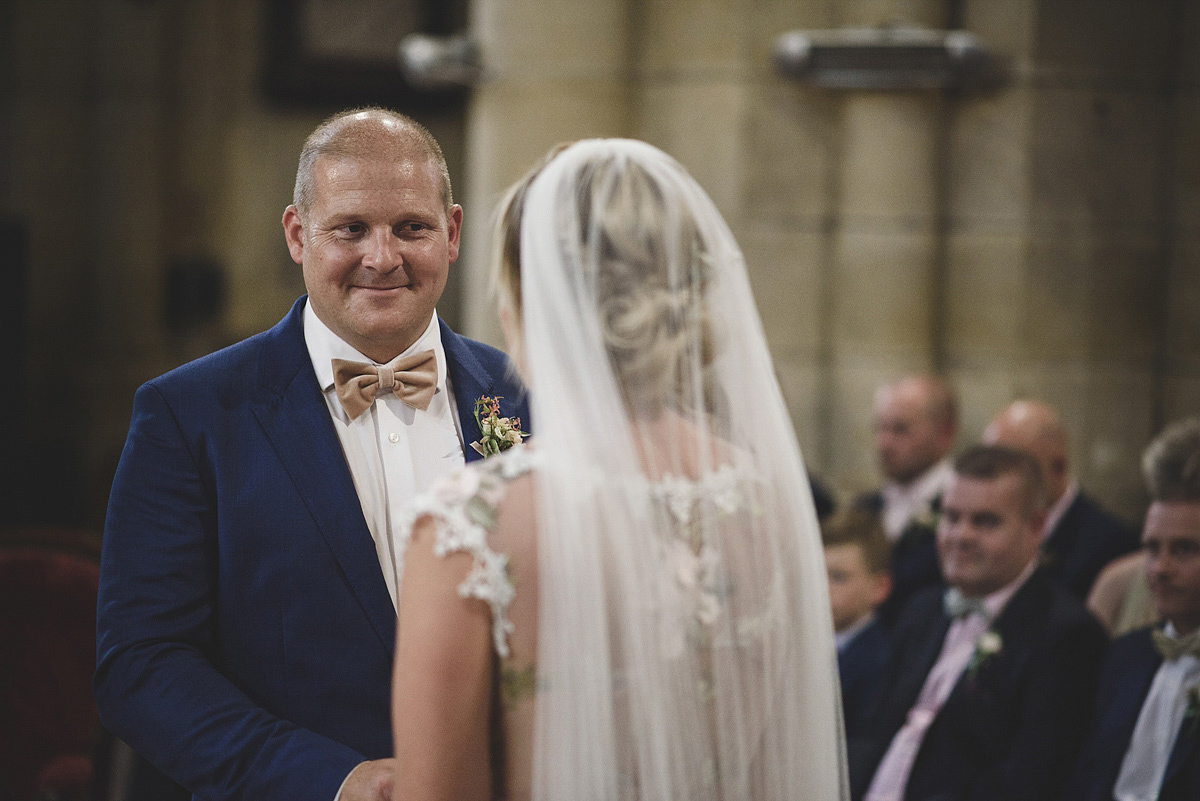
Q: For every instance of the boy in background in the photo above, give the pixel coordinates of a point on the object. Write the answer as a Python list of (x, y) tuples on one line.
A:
[(857, 555)]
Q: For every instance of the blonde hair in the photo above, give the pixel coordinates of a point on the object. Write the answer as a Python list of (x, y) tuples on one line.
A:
[(651, 273)]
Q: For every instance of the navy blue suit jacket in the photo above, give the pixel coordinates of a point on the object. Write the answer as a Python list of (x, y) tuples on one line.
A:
[(1085, 540), (861, 667), (1125, 678), (1013, 729), (245, 632), (914, 560)]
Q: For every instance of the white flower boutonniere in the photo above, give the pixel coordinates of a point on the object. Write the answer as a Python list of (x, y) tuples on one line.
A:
[(498, 433), (988, 645)]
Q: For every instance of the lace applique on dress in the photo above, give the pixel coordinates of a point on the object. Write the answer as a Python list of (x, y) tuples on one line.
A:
[(464, 504), (696, 577)]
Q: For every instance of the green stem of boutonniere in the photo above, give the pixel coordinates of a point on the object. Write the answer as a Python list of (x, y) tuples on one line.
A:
[(496, 433)]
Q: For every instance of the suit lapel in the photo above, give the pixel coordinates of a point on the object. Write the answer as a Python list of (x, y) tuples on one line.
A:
[(470, 381), (295, 418)]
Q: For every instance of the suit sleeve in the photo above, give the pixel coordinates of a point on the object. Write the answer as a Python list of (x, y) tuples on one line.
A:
[(1053, 719), (158, 683)]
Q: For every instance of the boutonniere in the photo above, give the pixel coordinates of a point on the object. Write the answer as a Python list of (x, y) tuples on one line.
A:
[(988, 645), (1192, 711), (498, 433), (926, 518)]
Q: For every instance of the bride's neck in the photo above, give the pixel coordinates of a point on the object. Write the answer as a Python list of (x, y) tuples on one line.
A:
[(669, 444)]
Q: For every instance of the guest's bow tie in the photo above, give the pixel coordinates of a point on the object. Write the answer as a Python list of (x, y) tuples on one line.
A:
[(1172, 648), (413, 379), (958, 605)]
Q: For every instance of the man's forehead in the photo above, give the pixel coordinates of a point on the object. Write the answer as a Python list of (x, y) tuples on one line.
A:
[(1002, 491), (1173, 520)]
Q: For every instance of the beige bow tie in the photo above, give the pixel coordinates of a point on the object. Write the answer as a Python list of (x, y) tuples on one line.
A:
[(1172, 648), (413, 379)]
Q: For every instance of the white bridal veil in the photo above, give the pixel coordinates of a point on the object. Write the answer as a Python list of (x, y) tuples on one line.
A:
[(685, 648)]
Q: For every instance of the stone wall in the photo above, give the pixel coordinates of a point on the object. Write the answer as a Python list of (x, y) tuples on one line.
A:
[(1042, 239)]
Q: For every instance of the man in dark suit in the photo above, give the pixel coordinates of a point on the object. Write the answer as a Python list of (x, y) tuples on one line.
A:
[(856, 562), (1080, 537), (1146, 740), (915, 422), (990, 683), (247, 598)]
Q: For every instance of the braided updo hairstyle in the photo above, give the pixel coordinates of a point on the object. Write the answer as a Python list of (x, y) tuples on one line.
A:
[(652, 270)]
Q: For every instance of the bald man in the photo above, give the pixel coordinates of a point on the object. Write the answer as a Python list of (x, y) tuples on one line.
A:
[(1079, 537), (915, 422), (247, 612)]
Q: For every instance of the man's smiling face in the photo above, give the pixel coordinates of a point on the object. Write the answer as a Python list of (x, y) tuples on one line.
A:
[(376, 246)]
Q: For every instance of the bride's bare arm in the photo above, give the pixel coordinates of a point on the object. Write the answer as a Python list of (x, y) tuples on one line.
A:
[(442, 682)]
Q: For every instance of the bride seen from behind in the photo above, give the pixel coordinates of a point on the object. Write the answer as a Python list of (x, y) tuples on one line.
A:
[(633, 606)]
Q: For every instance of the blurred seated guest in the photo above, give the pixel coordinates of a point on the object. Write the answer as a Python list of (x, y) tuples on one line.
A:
[(1146, 740), (1080, 537), (1120, 597), (823, 500), (915, 422), (856, 560), (990, 681)]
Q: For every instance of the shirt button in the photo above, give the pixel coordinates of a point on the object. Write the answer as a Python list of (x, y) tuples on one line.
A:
[(393, 437)]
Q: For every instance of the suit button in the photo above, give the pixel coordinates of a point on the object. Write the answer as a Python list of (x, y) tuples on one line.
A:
[(393, 437)]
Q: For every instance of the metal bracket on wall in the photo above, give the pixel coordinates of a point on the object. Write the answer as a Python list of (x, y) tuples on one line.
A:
[(888, 58)]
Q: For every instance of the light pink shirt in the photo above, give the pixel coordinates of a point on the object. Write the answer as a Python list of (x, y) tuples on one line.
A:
[(891, 777), (1054, 514)]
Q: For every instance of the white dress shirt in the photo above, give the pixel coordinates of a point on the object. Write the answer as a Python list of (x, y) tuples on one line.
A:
[(394, 451), (1145, 762), (891, 777), (903, 502)]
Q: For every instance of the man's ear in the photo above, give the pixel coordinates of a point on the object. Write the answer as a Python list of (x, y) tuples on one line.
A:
[(882, 588), (454, 231), (293, 232)]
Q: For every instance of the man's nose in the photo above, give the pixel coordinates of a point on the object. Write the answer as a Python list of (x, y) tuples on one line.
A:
[(383, 251)]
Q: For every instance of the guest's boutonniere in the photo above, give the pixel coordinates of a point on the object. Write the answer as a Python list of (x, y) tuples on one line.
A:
[(926, 518), (988, 645), (1192, 711), (498, 433)]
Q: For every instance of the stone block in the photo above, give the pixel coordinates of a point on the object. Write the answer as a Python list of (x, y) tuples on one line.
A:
[(985, 295), (1185, 177), (701, 123), (691, 35), (882, 289), (989, 182), (786, 275), (53, 47), (790, 153), (1092, 295), (1096, 157), (889, 155), (1119, 40), (525, 39), (132, 60), (802, 384), (1183, 304), (1008, 28)]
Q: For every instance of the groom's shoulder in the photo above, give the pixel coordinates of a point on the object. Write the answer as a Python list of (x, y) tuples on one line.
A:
[(235, 365)]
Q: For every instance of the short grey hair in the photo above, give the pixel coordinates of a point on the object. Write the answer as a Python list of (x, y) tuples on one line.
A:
[(1171, 464), (344, 135)]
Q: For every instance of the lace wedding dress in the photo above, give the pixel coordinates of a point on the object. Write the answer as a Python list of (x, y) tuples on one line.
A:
[(652, 562)]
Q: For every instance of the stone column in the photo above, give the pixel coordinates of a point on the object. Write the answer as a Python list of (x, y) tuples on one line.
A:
[(552, 75), (886, 257)]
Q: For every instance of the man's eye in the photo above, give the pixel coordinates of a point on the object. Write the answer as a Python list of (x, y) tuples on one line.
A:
[(413, 227), (354, 229)]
